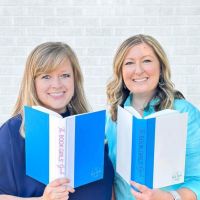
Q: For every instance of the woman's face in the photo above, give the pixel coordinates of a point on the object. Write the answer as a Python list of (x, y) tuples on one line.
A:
[(141, 70), (56, 89)]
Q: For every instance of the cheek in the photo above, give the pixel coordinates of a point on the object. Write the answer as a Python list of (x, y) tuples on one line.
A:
[(40, 89), (70, 86), (126, 75), (154, 72), (155, 78), (38, 85), (37, 88)]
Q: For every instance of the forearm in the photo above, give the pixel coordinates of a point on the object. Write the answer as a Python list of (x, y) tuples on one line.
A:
[(9, 197), (184, 193), (187, 194), (158, 194)]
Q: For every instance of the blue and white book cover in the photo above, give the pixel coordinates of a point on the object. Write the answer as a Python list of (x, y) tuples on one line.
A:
[(71, 147), (151, 159)]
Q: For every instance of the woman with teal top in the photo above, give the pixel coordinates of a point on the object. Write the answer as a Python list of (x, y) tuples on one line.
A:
[(142, 79)]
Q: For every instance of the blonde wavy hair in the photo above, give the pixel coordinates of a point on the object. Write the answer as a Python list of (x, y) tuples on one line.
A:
[(117, 93), (45, 58)]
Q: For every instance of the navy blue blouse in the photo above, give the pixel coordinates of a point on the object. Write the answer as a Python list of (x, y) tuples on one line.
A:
[(13, 178)]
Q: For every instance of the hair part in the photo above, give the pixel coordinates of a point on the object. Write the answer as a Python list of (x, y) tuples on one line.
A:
[(117, 92)]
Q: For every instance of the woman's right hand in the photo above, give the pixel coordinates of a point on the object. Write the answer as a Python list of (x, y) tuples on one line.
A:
[(57, 189)]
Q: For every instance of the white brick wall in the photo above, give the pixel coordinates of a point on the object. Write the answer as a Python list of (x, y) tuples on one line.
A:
[(95, 29)]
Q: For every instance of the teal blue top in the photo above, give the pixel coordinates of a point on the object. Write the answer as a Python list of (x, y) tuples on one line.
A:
[(192, 166)]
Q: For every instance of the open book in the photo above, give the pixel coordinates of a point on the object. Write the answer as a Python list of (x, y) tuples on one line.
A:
[(151, 150), (71, 147)]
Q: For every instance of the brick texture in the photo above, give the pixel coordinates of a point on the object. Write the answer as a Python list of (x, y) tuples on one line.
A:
[(94, 29)]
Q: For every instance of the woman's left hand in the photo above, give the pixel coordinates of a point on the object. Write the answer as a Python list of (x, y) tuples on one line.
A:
[(145, 193)]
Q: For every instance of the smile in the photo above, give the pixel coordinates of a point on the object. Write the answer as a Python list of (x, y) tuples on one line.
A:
[(140, 79), (56, 94)]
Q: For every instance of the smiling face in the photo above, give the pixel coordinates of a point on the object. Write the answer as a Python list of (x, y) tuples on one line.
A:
[(55, 89), (141, 70)]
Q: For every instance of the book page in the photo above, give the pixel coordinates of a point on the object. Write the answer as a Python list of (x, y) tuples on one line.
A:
[(170, 149), (160, 113), (134, 112), (46, 110), (86, 113), (156, 114), (124, 143)]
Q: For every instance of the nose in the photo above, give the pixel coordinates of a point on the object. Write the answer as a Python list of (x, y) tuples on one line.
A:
[(56, 82), (139, 69)]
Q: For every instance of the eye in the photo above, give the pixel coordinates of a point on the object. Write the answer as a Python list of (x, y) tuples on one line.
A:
[(129, 63), (65, 75), (147, 61), (45, 76)]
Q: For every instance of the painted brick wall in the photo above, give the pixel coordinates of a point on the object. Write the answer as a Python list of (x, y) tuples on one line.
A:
[(94, 29)]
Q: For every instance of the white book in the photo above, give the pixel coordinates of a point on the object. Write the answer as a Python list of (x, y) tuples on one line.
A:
[(151, 150)]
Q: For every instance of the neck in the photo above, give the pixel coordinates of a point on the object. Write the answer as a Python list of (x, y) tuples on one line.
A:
[(140, 101)]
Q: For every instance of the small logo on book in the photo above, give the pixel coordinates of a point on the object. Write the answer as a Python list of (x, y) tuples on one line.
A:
[(96, 172), (177, 176)]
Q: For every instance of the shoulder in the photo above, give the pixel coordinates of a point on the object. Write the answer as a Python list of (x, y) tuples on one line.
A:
[(10, 126), (10, 155), (193, 118), (183, 105)]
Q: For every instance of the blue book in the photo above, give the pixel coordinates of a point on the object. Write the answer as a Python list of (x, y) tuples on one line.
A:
[(71, 147), (151, 150)]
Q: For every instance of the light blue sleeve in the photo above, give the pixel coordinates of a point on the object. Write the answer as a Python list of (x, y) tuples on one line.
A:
[(111, 137), (122, 188), (192, 167)]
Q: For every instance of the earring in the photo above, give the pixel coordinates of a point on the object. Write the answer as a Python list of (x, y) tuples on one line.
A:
[(161, 81)]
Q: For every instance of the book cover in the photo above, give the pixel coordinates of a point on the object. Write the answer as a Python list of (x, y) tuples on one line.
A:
[(151, 150), (71, 147)]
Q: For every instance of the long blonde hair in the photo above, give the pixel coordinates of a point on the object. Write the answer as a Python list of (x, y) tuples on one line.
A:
[(46, 58), (116, 90)]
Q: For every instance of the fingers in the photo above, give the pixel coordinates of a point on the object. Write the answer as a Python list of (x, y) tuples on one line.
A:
[(141, 192), (70, 189), (58, 190), (64, 188), (59, 181), (139, 187), (136, 194)]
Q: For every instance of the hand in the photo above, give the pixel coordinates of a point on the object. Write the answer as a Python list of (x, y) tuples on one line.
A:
[(145, 193), (57, 189)]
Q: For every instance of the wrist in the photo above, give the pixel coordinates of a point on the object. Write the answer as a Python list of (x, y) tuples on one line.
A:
[(175, 195)]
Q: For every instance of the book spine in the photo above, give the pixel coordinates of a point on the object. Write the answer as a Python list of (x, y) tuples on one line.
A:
[(70, 149), (57, 154), (139, 153), (149, 172)]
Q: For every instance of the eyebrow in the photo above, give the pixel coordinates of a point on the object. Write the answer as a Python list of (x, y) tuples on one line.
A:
[(142, 57)]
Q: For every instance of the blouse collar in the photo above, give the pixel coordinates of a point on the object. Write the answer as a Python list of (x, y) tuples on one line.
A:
[(150, 110)]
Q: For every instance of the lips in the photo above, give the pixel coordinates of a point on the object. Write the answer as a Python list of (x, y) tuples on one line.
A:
[(56, 94), (140, 79)]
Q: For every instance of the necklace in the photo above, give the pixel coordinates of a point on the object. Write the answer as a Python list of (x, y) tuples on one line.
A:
[(139, 108)]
